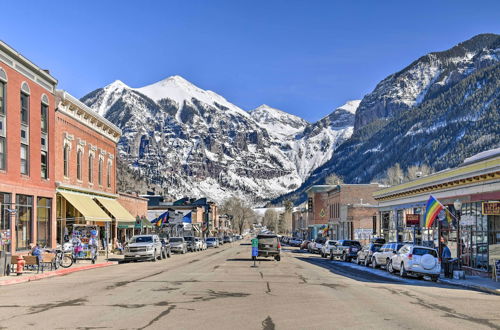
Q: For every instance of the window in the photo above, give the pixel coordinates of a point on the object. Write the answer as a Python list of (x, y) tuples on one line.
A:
[(24, 159), (2, 153), (66, 160), (43, 211), (109, 174), (44, 117), (25, 108), (24, 207), (79, 165), (2, 98), (5, 216), (44, 168), (91, 168), (99, 177)]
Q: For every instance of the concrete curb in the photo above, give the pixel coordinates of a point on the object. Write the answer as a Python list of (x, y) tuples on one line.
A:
[(471, 286), (59, 272)]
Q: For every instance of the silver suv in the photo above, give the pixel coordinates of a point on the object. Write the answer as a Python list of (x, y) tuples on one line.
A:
[(178, 244), (142, 247)]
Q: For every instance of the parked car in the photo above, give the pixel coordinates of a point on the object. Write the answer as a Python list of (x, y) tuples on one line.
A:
[(366, 253), (269, 246), (178, 244), (191, 243), (221, 240), (414, 260), (202, 245), (327, 247), (294, 241), (304, 245), (345, 250), (142, 247), (167, 251), (318, 244), (212, 242), (384, 254), (227, 239)]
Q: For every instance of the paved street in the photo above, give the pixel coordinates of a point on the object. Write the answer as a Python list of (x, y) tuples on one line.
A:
[(217, 289)]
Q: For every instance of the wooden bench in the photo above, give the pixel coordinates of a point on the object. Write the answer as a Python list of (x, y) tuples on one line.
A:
[(48, 259), (29, 261)]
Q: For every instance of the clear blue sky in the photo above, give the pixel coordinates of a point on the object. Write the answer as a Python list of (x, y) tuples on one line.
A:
[(304, 57)]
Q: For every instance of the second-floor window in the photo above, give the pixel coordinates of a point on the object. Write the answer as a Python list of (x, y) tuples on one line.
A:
[(91, 168), (2, 153), (109, 175), (66, 161), (99, 174), (79, 165), (44, 117), (24, 159)]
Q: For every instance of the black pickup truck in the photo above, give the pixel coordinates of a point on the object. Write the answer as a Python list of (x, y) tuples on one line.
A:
[(269, 246)]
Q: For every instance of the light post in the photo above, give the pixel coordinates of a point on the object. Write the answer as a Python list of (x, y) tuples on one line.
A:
[(458, 208)]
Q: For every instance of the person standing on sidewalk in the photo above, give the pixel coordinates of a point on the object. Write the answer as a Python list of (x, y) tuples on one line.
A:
[(446, 256)]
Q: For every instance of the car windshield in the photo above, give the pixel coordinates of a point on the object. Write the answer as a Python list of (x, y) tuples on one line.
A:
[(189, 238), (211, 239), (376, 247), (423, 251), (350, 243), (176, 239), (141, 239)]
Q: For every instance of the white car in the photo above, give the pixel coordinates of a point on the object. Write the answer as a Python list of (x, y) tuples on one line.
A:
[(419, 261), (327, 247), (198, 243), (384, 254)]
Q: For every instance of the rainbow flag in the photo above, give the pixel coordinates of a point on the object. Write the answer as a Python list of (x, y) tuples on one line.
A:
[(431, 211)]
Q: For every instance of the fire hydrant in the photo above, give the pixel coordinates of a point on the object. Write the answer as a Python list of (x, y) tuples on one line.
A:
[(20, 265)]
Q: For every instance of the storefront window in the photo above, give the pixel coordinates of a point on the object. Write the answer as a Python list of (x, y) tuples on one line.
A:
[(494, 238), (24, 206), (43, 212), (5, 216)]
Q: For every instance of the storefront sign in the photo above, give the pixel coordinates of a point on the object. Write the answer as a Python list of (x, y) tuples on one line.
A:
[(412, 220), (5, 236), (362, 233), (491, 208), (467, 220)]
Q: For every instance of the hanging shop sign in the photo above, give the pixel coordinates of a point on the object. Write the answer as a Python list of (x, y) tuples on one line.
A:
[(412, 220), (491, 208)]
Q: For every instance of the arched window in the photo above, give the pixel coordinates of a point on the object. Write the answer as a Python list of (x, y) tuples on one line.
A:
[(99, 178), (79, 165), (3, 121), (66, 160), (91, 168)]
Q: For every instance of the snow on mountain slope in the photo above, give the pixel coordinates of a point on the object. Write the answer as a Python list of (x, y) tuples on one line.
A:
[(278, 123), (189, 141)]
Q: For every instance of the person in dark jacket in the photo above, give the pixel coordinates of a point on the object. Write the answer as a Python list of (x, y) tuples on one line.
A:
[(446, 257)]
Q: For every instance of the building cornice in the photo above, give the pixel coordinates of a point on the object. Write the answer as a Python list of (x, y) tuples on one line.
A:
[(74, 108), (469, 175), (27, 68), (67, 187)]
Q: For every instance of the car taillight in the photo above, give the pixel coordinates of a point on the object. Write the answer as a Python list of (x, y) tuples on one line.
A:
[(410, 256), (279, 246)]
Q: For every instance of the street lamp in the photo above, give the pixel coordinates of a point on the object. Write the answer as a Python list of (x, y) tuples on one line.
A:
[(458, 208)]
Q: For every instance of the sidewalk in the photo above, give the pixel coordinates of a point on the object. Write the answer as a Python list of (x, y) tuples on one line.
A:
[(32, 275), (479, 283)]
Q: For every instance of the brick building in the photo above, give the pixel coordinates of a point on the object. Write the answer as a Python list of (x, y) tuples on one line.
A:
[(317, 216), (85, 170), (26, 152), (352, 211), (138, 208)]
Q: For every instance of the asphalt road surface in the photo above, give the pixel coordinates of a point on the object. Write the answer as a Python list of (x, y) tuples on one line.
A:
[(218, 289)]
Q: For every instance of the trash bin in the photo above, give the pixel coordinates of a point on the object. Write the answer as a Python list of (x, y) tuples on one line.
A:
[(4, 262)]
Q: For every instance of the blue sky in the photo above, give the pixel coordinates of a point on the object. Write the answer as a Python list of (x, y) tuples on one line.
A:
[(304, 57)]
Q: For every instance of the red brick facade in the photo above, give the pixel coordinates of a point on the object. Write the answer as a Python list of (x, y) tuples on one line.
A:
[(137, 206), (18, 75)]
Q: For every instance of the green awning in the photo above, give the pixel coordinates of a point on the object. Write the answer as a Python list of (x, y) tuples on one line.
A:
[(146, 223), (125, 224)]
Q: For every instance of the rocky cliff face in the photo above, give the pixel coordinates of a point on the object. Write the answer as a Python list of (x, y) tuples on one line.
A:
[(415, 118), (427, 78), (189, 141)]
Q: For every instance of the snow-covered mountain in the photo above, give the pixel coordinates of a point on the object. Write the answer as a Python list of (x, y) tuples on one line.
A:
[(190, 141), (428, 77)]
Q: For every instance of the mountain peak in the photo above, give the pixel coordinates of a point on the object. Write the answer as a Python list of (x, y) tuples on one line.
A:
[(350, 106), (117, 84)]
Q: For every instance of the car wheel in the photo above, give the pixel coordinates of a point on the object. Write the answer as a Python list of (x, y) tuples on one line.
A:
[(277, 258), (358, 261), (402, 270), (374, 263), (367, 262), (390, 269), (331, 255), (169, 254), (164, 254)]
